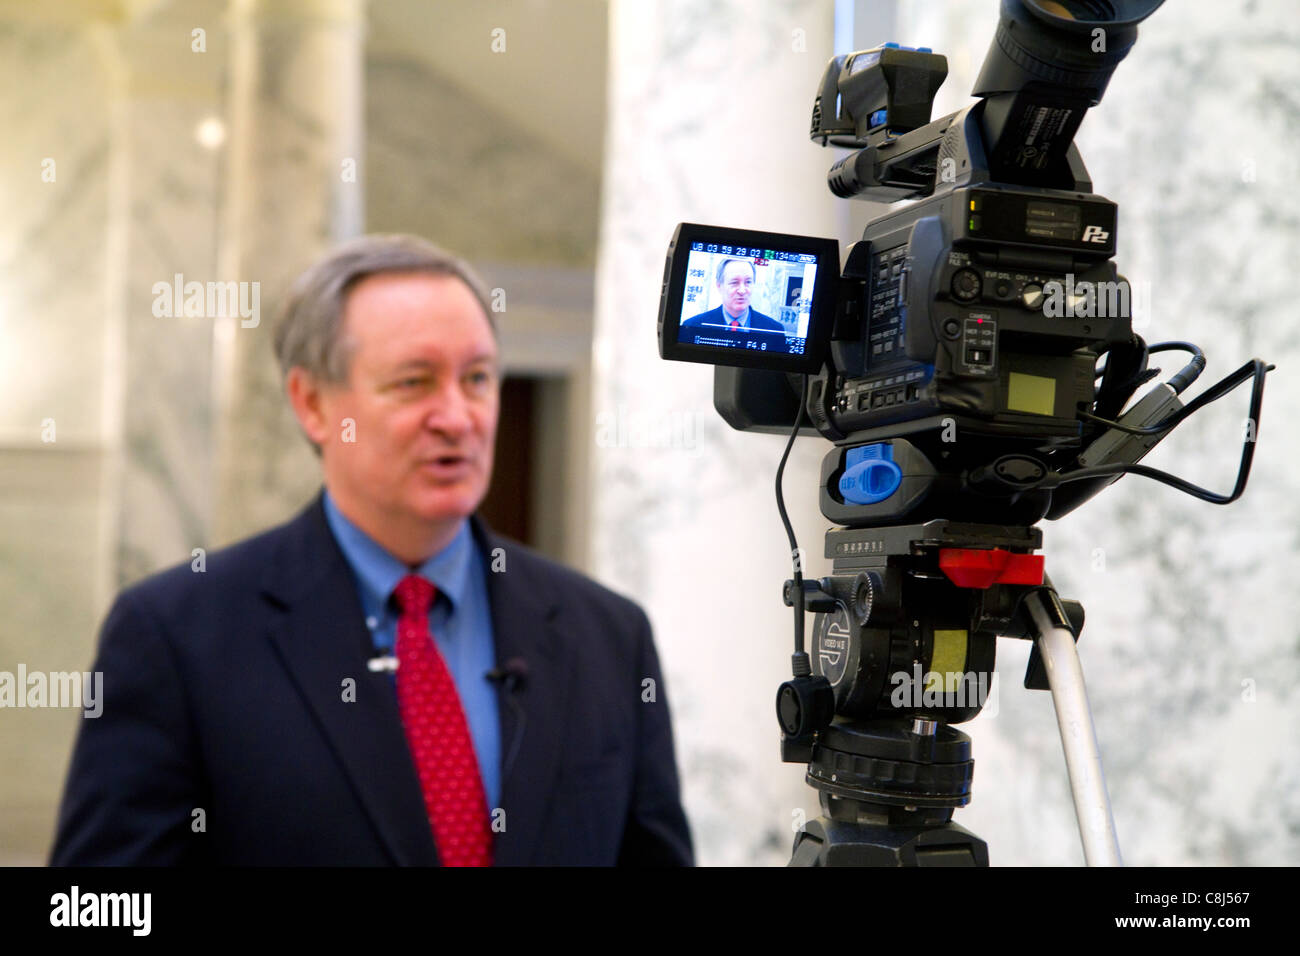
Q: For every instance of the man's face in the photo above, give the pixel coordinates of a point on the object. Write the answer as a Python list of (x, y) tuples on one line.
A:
[(737, 286), (423, 391)]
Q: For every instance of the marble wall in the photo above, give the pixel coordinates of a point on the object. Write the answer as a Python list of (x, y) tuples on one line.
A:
[(113, 190), (708, 119), (54, 311), (294, 187), (1190, 647)]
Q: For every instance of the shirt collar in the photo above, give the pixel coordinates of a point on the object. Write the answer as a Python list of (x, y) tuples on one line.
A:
[(379, 572), (743, 318)]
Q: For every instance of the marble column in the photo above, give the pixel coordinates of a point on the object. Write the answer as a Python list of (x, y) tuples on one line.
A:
[(55, 190), (165, 171), (707, 122), (293, 189)]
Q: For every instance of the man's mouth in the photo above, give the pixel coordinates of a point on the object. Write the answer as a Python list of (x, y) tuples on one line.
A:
[(446, 466)]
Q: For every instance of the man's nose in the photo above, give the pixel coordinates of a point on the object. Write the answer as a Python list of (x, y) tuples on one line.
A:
[(450, 413)]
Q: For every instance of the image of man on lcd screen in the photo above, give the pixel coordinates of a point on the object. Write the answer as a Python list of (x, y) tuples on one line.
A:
[(735, 279)]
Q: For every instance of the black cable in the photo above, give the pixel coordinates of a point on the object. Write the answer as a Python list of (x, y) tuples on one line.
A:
[(1177, 347), (1186, 375), (1216, 391), (801, 665), (1189, 372), (1124, 373), (1254, 368)]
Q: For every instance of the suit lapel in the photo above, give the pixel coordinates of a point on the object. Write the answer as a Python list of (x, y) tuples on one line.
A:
[(321, 637), (532, 717)]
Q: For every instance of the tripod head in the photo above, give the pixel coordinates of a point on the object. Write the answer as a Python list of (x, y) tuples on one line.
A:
[(903, 647)]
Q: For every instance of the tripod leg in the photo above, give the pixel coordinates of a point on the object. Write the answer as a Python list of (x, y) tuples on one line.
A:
[(1078, 735)]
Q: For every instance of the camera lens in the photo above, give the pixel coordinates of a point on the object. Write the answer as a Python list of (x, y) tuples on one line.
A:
[(1054, 42), (1076, 10)]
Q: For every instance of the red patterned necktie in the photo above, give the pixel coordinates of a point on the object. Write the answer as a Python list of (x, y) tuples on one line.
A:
[(735, 323), (438, 734)]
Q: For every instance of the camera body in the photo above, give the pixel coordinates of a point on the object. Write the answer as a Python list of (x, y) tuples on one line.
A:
[(980, 307), (983, 300)]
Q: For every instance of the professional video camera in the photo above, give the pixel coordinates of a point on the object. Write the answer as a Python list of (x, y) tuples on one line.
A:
[(953, 362)]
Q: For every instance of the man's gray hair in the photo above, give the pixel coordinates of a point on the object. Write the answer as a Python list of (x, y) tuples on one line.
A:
[(311, 325), (722, 267)]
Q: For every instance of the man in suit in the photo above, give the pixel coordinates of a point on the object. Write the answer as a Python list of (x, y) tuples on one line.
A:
[(382, 680), (735, 280)]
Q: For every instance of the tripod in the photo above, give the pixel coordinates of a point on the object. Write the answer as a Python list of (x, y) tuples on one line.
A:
[(920, 607)]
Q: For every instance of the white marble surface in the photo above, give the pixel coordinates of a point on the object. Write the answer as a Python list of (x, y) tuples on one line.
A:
[(54, 190), (295, 108), (165, 222), (439, 165), (708, 114), (1186, 600), (122, 489), (52, 307)]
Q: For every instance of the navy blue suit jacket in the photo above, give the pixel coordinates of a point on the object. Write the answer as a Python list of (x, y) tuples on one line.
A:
[(227, 735), (773, 336), (758, 322)]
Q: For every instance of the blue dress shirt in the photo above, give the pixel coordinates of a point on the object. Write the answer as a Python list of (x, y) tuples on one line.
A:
[(743, 319), (460, 620)]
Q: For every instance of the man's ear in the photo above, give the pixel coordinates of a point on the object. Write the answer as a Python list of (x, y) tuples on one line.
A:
[(307, 398)]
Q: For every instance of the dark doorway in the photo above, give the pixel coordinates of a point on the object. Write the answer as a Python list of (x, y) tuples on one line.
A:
[(508, 507)]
